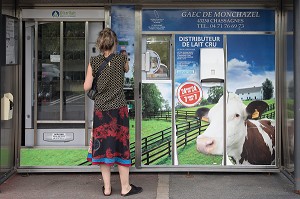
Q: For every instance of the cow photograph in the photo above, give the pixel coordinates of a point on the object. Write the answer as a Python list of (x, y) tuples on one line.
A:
[(250, 138), (242, 132)]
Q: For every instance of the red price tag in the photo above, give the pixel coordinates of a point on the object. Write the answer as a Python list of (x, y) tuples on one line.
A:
[(189, 94)]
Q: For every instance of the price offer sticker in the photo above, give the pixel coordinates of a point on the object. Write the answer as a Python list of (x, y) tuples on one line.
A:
[(189, 94)]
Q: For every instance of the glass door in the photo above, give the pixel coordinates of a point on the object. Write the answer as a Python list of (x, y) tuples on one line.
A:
[(61, 72), (56, 57), (156, 127), (48, 71), (73, 71)]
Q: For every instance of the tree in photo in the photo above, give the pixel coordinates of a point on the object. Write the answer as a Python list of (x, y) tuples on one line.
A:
[(152, 99), (268, 89), (166, 105), (204, 102), (214, 94)]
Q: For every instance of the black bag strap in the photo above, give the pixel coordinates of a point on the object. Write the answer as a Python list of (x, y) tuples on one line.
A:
[(101, 67)]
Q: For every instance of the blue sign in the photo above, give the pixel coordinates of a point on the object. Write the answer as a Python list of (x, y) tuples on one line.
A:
[(208, 20), (55, 13)]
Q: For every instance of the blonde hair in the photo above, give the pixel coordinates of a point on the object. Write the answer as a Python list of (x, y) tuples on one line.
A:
[(106, 40)]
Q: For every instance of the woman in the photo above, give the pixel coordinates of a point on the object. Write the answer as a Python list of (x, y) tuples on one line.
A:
[(109, 144)]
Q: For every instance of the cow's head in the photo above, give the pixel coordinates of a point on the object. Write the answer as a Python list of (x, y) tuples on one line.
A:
[(211, 141)]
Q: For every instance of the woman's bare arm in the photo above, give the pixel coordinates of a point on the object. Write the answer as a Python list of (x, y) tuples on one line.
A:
[(88, 79)]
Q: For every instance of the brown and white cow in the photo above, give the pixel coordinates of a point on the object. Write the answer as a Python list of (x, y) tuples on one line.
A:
[(248, 141)]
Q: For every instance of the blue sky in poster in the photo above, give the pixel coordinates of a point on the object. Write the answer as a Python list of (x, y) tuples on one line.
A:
[(290, 52), (251, 59), (166, 91), (122, 20)]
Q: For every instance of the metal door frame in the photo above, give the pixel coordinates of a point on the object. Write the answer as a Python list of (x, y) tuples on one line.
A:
[(22, 169), (206, 168), (137, 96)]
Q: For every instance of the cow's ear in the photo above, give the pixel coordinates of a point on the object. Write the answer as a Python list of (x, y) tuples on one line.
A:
[(202, 112), (256, 108)]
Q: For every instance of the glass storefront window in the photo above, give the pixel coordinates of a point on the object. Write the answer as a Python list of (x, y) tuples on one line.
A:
[(48, 74), (73, 71), (52, 89), (157, 102)]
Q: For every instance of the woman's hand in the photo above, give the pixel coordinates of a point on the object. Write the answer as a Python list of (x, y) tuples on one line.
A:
[(126, 67)]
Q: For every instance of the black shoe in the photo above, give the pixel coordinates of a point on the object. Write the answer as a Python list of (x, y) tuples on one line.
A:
[(103, 189), (133, 190)]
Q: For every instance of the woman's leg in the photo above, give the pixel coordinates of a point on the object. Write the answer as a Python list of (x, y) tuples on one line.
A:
[(105, 170), (124, 178)]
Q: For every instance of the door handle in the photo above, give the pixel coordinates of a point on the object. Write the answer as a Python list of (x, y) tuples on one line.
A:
[(140, 89)]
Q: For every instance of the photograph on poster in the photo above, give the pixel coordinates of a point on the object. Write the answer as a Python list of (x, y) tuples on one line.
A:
[(250, 98), (154, 68), (242, 63), (188, 71), (212, 67), (156, 58), (122, 21), (156, 123)]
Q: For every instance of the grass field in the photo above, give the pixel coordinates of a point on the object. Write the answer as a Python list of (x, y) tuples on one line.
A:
[(188, 155), (74, 157), (52, 157), (71, 157)]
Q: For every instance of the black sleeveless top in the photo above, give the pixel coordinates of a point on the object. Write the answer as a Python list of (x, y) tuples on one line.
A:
[(110, 83)]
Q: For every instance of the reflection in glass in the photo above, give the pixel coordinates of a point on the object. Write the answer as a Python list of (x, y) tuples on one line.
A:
[(73, 70), (48, 85), (289, 132)]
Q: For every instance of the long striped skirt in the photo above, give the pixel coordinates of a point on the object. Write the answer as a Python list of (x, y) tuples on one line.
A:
[(109, 143)]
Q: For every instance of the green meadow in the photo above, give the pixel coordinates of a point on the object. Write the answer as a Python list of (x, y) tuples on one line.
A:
[(187, 154)]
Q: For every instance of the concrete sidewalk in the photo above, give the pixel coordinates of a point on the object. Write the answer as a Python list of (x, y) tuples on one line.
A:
[(155, 185)]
